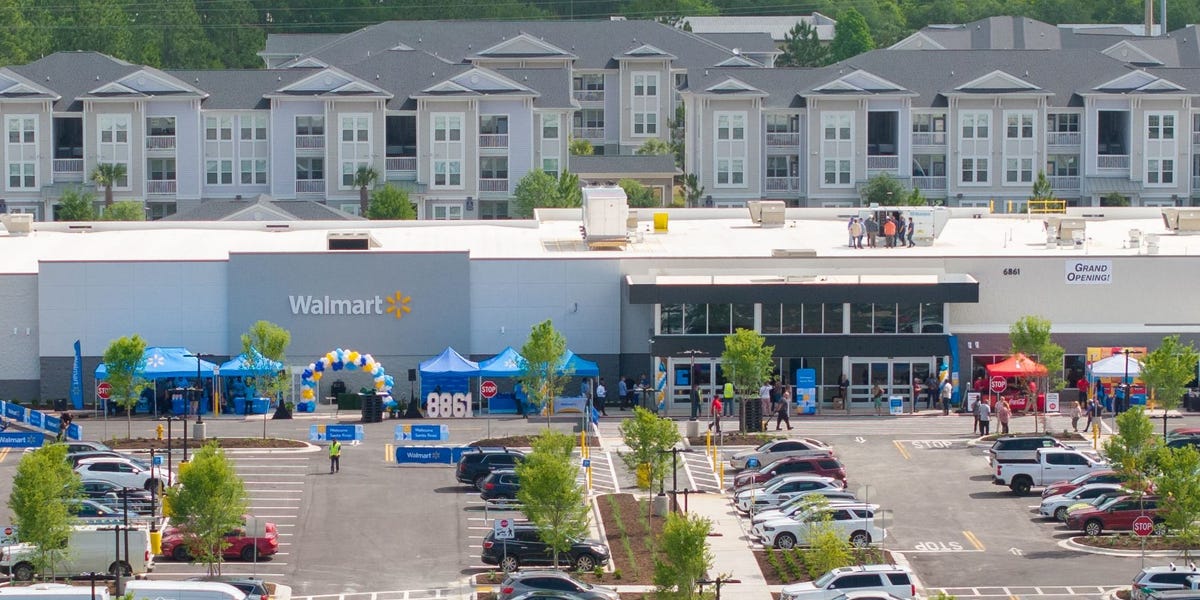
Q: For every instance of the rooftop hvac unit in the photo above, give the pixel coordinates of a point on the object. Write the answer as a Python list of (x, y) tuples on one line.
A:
[(767, 213), (1182, 220), (17, 223), (350, 240), (605, 217), (1067, 231)]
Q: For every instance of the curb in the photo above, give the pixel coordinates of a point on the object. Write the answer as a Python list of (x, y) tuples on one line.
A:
[(902, 561), (612, 563), (1071, 544)]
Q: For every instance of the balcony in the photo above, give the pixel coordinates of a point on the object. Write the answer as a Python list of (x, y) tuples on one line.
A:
[(588, 133), (588, 95), (929, 184), (783, 184), (310, 142), (783, 140), (160, 186), (160, 142), (67, 167), (883, 163), (493, 185), (1062, 138), (401, 163), (929, 138), (493, 140), (1112, 161), (1064, 182), (310, 186)]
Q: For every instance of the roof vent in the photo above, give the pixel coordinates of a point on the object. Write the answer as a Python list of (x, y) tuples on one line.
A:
[(350, 240)]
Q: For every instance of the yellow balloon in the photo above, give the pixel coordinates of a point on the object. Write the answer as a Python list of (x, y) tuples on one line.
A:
[(353, 357), (379, 385), (317, 375), (369, 367), (329, 357), (306, 393)]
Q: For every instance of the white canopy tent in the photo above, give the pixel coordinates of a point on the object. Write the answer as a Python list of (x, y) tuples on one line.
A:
[(1117, 365)]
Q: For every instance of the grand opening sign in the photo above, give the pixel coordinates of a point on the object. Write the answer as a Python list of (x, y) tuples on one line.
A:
[(1089, 272)]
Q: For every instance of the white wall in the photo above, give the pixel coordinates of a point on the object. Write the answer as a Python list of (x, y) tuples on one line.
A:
[(18, 313)]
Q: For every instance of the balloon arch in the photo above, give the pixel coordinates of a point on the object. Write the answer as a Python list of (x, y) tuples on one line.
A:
[(350, 360)]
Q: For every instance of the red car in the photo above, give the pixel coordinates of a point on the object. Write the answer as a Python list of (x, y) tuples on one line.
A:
[(239, 543), (1116, 515), (1062, 487), (825, 466)]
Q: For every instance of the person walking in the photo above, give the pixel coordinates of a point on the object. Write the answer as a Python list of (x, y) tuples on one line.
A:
[(900, 229), (728, 398), (947, 393), (335, 457), (715, 412), (975, 409), (850, 229), (877, 399), (784, 406), (764, 401), (601, 397), (985, 418), (856, 234), (1076, 412), (844, 389), (695, 403), (1003, 414), (911, 227), (622, 392)]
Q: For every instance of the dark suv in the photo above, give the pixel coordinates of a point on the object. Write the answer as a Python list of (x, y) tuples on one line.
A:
[(527, 548), (475, 466), (500, 485), (1021, 448)]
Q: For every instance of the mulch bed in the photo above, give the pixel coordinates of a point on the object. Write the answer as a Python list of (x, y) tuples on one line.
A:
[(1129, 541), (736, 438), (629, 539), (521, 441), (782, 567), (228, 443)]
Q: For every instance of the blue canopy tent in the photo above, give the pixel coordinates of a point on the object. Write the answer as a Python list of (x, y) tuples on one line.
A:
[(578, 367), (448, 372), (238, 366), (237, 393), (508, 364), (163, 362)]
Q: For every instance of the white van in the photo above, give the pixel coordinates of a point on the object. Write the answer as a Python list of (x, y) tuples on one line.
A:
[(143, 589), (54, 591), (89, 549)]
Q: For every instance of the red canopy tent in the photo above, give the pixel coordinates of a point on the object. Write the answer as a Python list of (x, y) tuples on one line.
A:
[(1017, 365)]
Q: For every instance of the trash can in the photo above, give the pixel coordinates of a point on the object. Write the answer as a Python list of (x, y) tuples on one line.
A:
[(752, 416)]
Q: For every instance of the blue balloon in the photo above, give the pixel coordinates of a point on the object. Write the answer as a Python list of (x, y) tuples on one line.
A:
[(337, 365), (389, 381), (351, 366), (307, 374), (319, 366)]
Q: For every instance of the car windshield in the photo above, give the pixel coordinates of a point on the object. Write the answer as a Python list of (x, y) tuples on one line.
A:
[(766, 446), (824, 580), (1104, 500), (1083, 478)]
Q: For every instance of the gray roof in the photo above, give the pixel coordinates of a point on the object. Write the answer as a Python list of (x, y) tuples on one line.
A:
[(241, 89), (299, 210), (404, 73), (73, 74), (552, 85), (781, 84), (623, 164), (294, 44), (756, 43)]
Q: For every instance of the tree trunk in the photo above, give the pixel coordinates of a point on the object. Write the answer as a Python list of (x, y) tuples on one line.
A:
[(128, 423), (108, 195), (362, 202)]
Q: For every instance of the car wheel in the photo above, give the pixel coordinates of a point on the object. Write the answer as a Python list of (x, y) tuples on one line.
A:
[(785, 541), (1093, 527), (1060, 513), (1160, 528), (860, 539), (248, 553), (509, 564), (180, 554), (120, 566), (152, 486), (23, 572), (1021, 486), (479, 481), (585, 563)]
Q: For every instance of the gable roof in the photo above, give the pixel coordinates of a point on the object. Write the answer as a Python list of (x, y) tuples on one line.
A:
[(997, 82), (73, 74), (523, 46), (477, 81), (1137, 81), (330, 82), (262, 208), (13, 85), (244, 89), (645, 51)]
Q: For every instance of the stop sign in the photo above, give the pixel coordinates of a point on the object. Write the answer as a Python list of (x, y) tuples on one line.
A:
[(997, 384), (1143, 526), (104, 390), (487, 389)]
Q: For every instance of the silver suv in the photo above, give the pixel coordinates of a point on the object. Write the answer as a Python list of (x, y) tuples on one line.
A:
[(892, 579), (1164, 578), (554, 581)]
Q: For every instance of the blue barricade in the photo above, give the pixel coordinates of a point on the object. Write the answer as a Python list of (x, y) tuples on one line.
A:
[(21, 439), (341, 433), (422, 433), (429, 455)]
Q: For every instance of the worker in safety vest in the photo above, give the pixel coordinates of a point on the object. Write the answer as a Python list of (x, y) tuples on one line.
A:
[(335, 454)]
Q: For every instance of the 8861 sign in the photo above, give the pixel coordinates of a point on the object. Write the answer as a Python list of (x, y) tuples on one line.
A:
[(447, 406)]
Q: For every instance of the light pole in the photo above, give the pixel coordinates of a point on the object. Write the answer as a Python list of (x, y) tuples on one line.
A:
[(1126, 402), (696, 401), (170, 419)]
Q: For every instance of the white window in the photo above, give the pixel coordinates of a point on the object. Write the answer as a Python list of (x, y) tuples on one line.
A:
[(1160, 149), (447, 212), (253, 149), (160, 169), (253, 128), (310, 125), (254, 171), (114, 148), (730, 149), (644, 104), (837, 149), (837, 172), (1018, 170), (447, 128), (1160, 171), (218, 172), (1018, 126), (974, 170), (21, 151), (447, 173), (1160, 127), (974, 125), (549, 127), (218, 128), (836, 126), (645, 123), (310, 169), (22, 175), (447, 150), (550, 166), (731, 172), (354, 146)]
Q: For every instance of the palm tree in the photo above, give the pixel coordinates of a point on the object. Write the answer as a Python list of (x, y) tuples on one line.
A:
[(364, 177), (106, 175)]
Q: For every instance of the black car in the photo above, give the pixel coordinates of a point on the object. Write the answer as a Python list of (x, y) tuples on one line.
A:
[(477, 464), (1184, 441), (527, 548), (105, 491), (254, 588), (500, 485)]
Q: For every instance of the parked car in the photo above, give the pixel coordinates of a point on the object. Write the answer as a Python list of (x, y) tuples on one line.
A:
[(527, 548), (856, 522), (1164, 578), (776, 449), (1116, 515), (782, 489), (240, 543), (794, 508), (825, 466), (79, 457), (867, 595), (892, 579), (1062, 487), (521, 582), (500, 485), (1192, 594), (253, 587), (1098, 501), (1056, 506), (1049, 465), (474, 466), (1184, 441), (124, 472), (1020, 447), (91, 511), (98, 489), (91, 551)]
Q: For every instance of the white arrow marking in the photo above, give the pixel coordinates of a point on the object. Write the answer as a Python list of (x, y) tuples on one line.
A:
[(860, 439), (1015, 551)]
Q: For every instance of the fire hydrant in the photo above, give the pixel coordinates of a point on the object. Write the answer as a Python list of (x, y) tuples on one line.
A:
[(159, 431)]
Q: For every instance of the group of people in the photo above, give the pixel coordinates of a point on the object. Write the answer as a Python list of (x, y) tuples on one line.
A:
[(895, 229), (982, 413), (1093, 409), (626, 396), (774, 397)]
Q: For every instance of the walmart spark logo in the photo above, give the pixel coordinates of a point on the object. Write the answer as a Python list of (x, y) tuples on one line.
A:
[(398, 305)]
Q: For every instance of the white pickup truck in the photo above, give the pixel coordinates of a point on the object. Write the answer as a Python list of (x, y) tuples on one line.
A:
[(1048, 466)]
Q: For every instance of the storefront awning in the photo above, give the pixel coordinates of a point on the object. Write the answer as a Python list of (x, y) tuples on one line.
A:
[(798, 289)]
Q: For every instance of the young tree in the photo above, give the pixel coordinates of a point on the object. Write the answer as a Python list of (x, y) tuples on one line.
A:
[(1167, 370), (685, 556), (1030, 335), (654, 146), (390, 203), (692, 190), (1178, 487), (638, 195), (44, 496), (884, 190), (125, 210), (538, 189), (648, 436), (1134, 450), (580, 147), (209, 502), (914, 198), (124, 364), (541, 379), (828, 548), (364, 177), (570, 193), (265, 345), (106, 175), (851, 36), (1041, 188), (747, 361), (550, 495), (76, 205), (802, 48)]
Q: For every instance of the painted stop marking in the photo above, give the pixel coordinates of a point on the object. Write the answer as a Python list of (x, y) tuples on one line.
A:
[(1143, 526), (104, 390), (488, 389), (997, 384)]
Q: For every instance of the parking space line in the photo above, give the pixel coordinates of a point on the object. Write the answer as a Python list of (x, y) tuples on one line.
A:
[(900, 447), (974, 541), (4, 453)]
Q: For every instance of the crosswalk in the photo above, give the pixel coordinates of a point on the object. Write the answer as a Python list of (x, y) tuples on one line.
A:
[(1081, 592), (604, 472), (447, 593)]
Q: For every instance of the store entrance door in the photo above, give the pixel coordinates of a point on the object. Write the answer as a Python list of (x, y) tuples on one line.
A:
[(704, 375), (901, 376)]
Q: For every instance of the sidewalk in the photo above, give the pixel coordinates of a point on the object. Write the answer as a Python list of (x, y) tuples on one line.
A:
[(731, 552)]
